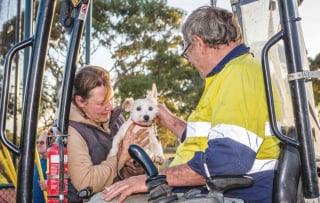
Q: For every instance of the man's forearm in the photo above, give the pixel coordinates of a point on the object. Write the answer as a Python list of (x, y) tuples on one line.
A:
[(183, 175), (176, 125)]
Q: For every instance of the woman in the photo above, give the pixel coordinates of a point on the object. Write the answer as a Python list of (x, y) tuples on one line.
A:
[(93, 122), (39, 186)]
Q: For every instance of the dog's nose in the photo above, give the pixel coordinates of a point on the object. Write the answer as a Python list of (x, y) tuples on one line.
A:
[(146, 117)]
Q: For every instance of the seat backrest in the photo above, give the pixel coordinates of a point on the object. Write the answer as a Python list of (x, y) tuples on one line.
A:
[(286, 187)]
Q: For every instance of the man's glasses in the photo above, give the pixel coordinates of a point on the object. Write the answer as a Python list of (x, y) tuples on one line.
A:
[(184, 53), (41, 142)]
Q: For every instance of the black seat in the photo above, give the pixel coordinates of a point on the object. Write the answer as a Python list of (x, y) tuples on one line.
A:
[(287, 183)]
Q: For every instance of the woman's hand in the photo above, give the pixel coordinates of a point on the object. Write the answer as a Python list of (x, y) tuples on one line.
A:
[(139, 138), (132, 168)]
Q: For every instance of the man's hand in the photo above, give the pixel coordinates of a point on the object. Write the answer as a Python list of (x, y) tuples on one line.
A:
[(123, 189), (163, 115), (43, 185), (168, 120)]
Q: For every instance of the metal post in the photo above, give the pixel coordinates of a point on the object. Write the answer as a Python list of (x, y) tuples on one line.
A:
[(70, 68), (33, 87), (17, 84), (299, 98), (67, 82), (28, 14), (88, 33)]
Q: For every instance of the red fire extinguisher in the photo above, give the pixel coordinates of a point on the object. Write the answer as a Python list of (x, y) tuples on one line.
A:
[(53, 170)]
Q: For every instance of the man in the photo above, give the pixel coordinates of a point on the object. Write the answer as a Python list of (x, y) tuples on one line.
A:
[(229, 130), (40, 186)]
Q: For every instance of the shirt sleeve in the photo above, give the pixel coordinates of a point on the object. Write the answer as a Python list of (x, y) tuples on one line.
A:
[(183, 136), (82, 171), (223, 156)]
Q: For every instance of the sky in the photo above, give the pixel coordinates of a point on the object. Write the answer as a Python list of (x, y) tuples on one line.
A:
[(308, 11)]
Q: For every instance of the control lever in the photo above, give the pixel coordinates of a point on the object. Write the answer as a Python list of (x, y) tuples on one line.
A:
[(160, 191), (139, 155), (85, 193)]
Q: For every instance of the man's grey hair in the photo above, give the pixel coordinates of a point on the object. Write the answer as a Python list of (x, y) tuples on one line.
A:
[(215, 26)]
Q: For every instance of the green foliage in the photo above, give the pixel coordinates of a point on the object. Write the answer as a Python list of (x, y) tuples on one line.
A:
[(315, 66), (7, 38), (144, 41), (53, 70), (145, 45)]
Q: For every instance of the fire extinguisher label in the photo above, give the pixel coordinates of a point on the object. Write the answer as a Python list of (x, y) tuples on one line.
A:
[(56, 159)]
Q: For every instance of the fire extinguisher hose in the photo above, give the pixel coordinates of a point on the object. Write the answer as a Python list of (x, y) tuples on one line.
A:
[(61, 170)]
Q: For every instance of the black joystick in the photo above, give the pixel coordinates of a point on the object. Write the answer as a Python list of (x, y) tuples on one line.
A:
[(160, 191)]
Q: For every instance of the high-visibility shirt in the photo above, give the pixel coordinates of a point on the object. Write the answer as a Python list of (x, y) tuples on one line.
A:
[(229, 132), (234, 100)]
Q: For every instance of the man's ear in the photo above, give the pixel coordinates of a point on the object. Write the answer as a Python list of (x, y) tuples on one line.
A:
[(197, 39), (79, 101)]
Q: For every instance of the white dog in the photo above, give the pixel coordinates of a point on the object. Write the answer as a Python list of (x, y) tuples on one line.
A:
[(142, 114)]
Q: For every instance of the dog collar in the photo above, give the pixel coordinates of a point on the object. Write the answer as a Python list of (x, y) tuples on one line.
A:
[(139, 124)]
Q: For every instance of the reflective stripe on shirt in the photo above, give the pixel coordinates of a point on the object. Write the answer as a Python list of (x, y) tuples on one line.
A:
[(263, 165), (246, 138), (198, 129), (237, 134)]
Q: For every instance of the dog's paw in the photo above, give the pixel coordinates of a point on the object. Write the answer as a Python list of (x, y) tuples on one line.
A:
[(158, 160), (113, 152)]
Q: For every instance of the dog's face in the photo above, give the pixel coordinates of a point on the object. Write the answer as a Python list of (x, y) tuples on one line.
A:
[(144, 110)]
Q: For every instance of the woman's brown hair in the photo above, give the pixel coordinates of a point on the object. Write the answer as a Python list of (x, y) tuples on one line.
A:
[(88, 78)]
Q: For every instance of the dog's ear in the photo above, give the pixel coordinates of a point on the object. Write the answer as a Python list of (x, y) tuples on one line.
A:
[(128, 104), (153, 94)]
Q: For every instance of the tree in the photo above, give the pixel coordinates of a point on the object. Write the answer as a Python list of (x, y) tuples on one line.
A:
[(144, 42), (315, 66), (145, 45), (53, 69)]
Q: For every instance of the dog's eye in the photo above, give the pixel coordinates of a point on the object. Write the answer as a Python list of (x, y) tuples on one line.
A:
[(139, 108), (150, 108)]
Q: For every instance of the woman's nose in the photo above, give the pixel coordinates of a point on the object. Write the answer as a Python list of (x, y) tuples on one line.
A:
[(109, 105)]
